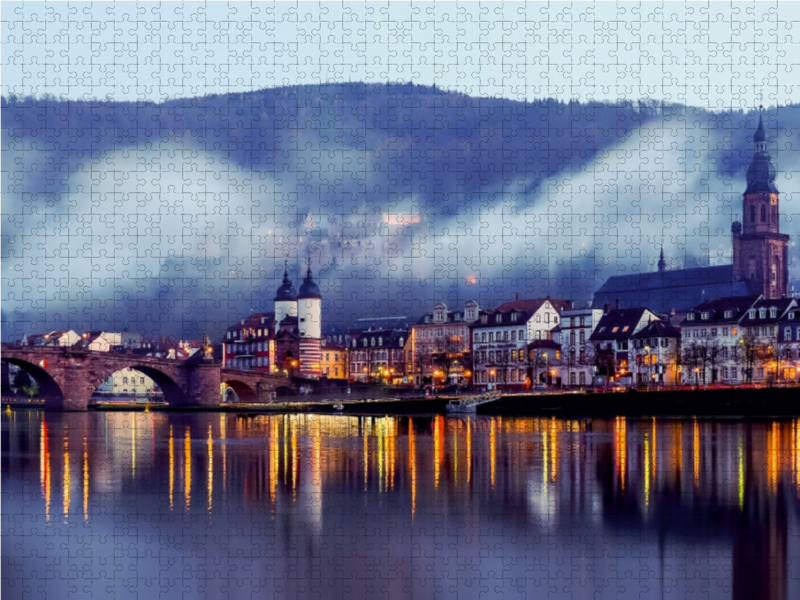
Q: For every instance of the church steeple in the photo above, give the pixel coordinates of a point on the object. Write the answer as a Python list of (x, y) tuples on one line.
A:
[(760, 250), (761, 172), (662, 264)]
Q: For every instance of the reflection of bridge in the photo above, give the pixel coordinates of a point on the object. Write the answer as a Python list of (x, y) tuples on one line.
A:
[(68, 377)]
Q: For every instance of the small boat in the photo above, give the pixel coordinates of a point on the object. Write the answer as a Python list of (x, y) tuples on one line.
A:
[(469, 404)]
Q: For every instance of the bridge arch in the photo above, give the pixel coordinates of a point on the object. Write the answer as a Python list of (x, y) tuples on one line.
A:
[(173, 394), (49, 389), (244, 392)]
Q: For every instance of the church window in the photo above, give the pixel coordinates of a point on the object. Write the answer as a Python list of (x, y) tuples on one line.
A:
[(763, 214)]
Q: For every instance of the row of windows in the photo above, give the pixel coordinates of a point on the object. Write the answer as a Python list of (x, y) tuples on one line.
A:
[(651, 343), (248, 348), (375, 342), (712, 332), (374, 355), (242, 334), (582, 337), (133, 380), (574, 322), (512, 355), (441, 332), (507, 375), (753, 313)]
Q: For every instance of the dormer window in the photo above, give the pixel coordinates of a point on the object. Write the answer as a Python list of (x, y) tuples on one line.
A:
[(704, 316), (498, 318), (752, 313), (762, 312), (690, 317), (484, 319), (514, 317), (615, 330), (380, 341), (401, 340), (728, 314), (791, 315), (773, 312)]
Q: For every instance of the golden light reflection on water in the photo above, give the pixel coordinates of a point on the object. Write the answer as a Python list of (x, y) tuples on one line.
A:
[(171, 469), (66, 486), (621, 449), (280, 459), (85, 469), (187, 469), (412, 465), (210, 470)]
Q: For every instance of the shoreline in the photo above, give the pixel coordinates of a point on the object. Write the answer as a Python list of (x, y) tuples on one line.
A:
[(737, 403)]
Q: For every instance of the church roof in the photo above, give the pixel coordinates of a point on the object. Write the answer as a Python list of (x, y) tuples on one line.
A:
[(680, 289)]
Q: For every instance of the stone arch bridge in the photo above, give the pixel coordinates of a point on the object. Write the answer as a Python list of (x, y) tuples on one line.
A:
[(68, 377)]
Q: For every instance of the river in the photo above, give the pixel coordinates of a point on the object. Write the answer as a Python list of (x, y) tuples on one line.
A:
[(218, 505)]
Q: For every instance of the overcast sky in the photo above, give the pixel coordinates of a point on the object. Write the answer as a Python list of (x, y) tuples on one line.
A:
[(714, 55)]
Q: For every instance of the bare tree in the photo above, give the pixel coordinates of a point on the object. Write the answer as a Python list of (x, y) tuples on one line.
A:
[(748, 352)]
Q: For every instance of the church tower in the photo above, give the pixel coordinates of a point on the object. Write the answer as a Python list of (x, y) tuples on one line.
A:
[(760, 251), (285, 299), (309, 313)]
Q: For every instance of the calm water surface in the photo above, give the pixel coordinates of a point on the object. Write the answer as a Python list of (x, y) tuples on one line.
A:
[(208, 505)]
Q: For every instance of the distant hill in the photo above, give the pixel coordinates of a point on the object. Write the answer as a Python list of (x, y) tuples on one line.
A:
[(178, 216)]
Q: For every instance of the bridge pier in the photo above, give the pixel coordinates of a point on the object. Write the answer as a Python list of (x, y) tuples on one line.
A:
[(202, 384)]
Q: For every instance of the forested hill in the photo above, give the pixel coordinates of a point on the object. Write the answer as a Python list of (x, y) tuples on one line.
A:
[(416, 193)]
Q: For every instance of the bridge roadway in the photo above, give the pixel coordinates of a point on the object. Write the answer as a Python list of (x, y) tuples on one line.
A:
[(67, 377)]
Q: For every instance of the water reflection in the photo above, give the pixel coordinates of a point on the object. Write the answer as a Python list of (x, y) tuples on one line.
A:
[(643, 508)]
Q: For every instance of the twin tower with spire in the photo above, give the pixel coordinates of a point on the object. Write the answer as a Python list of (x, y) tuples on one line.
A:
[(304, 308)]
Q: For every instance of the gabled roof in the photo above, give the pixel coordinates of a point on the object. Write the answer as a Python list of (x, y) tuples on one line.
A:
[(716, 309), (782, 306), (389, 338), (531, 306), (658, 329), (662, 291), (618, 324)]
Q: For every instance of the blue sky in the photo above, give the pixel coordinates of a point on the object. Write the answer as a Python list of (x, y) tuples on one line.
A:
[(712, 55)]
